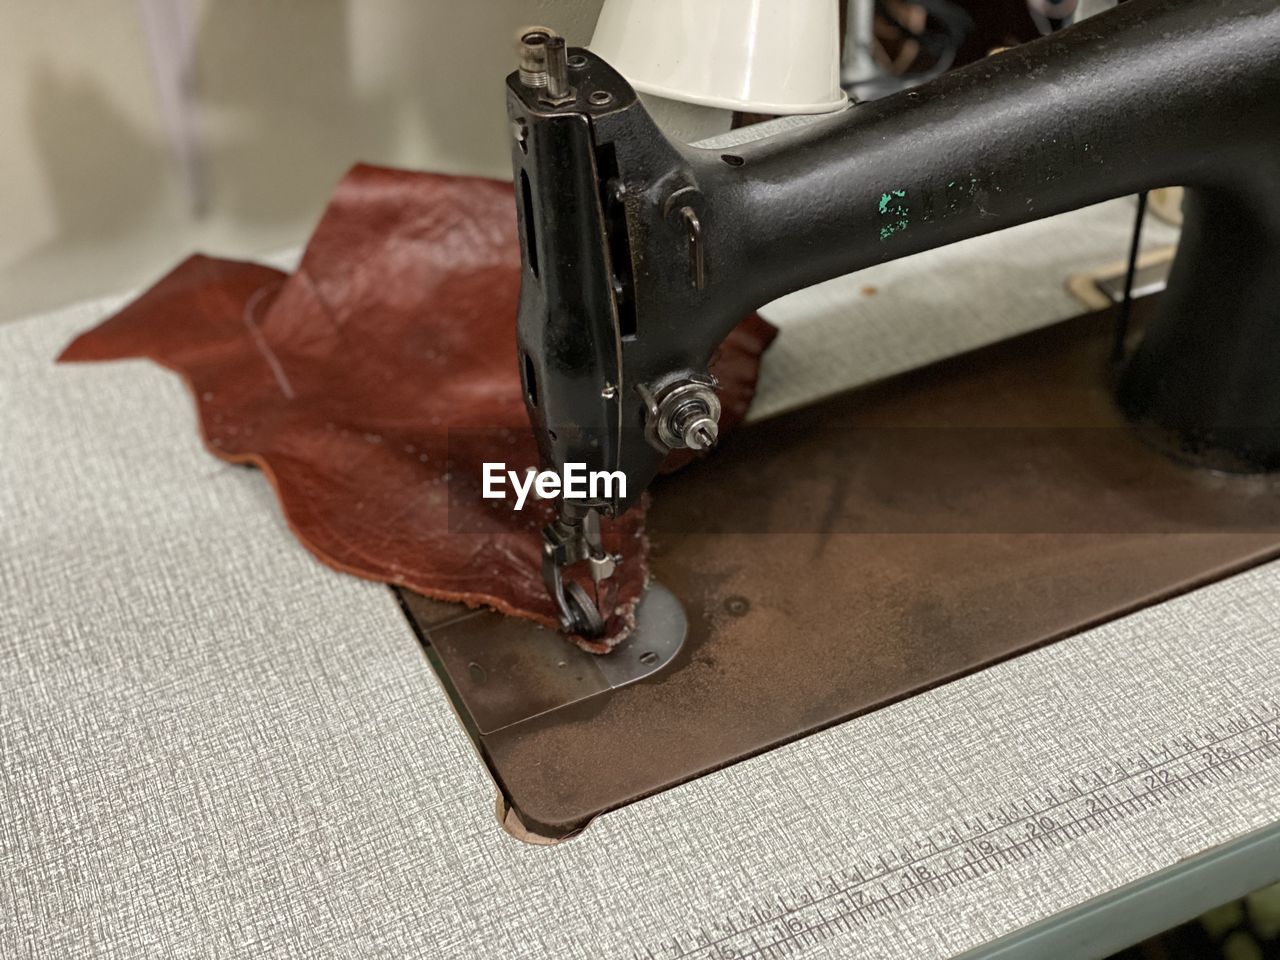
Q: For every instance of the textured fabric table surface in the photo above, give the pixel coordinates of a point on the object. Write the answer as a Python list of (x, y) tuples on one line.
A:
[(210, 745)]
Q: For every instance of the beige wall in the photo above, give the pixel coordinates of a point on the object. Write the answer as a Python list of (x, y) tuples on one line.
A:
[(285, 95)]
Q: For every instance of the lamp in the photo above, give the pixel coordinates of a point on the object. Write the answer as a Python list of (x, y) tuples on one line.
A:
[(754, 56)]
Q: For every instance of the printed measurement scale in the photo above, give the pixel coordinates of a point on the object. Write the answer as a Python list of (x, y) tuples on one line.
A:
[(968, 849)]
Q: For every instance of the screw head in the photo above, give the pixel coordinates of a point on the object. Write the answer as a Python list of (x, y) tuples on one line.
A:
[(701, 434)]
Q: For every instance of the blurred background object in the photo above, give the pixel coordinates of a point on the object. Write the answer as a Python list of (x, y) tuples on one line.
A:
[(765, 58), (891, 45), (138, 131), (702, 68), (1247, 929)]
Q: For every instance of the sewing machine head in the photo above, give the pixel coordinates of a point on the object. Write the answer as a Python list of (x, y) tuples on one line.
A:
[(640, 255), (614, 376)]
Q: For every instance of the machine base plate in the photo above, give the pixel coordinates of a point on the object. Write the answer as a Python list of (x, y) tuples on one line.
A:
[(838, 558)]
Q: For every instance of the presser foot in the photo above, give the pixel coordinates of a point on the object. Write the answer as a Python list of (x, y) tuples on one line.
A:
[(574, 537)]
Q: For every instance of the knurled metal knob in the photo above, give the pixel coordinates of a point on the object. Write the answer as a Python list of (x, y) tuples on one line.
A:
[(532, 45)]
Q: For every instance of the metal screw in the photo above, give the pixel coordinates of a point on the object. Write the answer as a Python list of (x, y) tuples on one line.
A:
[(702, 435), (648, 657), (601, 97), (693, 423)]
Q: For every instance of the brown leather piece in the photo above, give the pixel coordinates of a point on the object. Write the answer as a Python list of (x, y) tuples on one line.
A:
[(370, 385)]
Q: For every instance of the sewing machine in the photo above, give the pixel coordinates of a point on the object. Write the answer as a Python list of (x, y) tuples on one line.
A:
[(640, 254), (904, 533), (830, 734)]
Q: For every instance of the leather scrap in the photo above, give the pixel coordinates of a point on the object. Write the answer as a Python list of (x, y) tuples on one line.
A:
[(371, 384)]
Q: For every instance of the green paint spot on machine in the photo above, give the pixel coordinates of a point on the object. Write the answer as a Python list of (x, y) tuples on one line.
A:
[(893, 205)]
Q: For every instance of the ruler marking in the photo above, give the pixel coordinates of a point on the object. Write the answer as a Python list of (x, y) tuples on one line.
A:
[(892, 901), (976, 840)]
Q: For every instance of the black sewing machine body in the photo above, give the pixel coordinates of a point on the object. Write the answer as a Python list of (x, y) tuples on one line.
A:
[(641, 254)]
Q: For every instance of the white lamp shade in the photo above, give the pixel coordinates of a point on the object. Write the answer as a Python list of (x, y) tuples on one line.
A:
[(757, 56)]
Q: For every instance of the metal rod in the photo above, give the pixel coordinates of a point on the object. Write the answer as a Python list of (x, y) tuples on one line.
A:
[(1126, 305), (557, 68)]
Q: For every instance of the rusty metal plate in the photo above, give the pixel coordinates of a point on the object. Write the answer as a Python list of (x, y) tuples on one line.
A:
[(502, 671), (858, 551)]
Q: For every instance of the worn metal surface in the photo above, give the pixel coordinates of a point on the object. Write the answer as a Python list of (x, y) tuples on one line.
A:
[(502, 670), (881, 543)]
